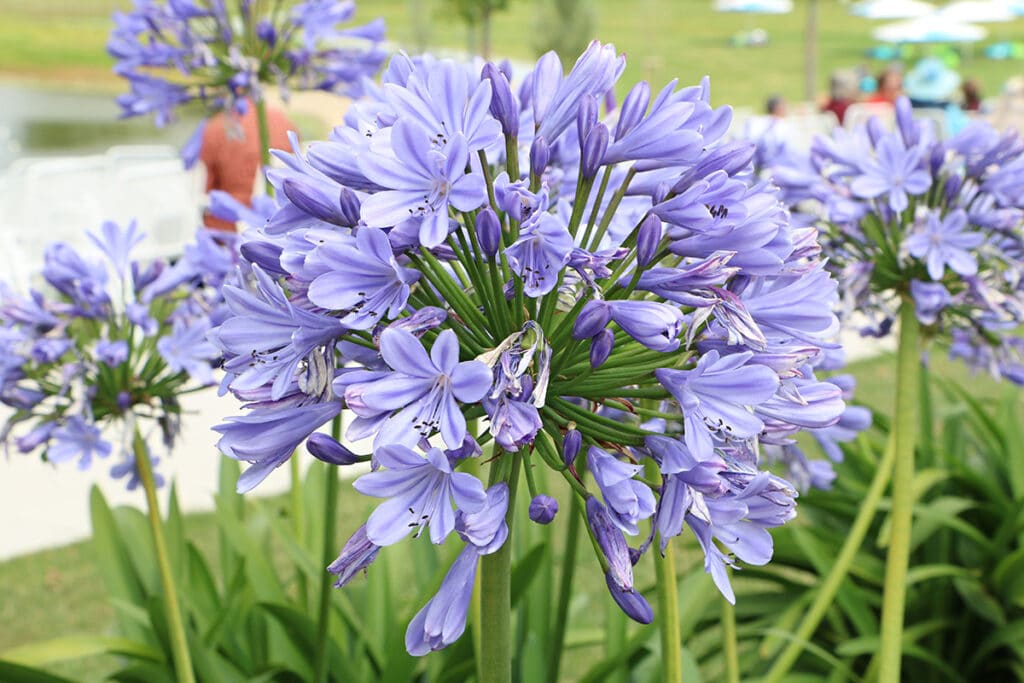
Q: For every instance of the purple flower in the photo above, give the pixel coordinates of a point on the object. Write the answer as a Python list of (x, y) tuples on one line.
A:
[(423, 391), (116, 244), (628, 500), (895, 171), (486, 529), (653, 324), (443, 619), (358, 553), (420, 491), (543, 509), (266, 437), (611, 543), (421, 183), (128, 469), (631, 602), (193, 147), (186, 350), (715, 397), (362, 278), (76, 439), (538, 256), (944, 241), (930, 298), (112, 353), (323, 447)]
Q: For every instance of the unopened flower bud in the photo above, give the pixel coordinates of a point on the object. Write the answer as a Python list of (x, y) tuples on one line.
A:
[(323, 447), (592, 319), (540, 154), (543, 509), (488, 231), (265, 32), (571, 444), (633, 108), (648, 236), (503, 103), (350, 207), (593, 150), (357, 555), (601, 347), (631, 602), (612, 544), (586, 116), (265, 255)]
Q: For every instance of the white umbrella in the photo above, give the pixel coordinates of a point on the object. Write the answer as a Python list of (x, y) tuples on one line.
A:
[(930, 29), (892, 9), (755, 6), (979, 11)]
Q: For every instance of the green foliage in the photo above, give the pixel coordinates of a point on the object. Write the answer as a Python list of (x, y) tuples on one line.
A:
[(565, 26)]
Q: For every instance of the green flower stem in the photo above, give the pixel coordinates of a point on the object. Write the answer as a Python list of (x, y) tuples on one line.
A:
[(729, 645), (840, 568), (597, 206), (298, 515), (668, 604), (264, 128), (905, 430), (175, 625), (496, 599), (564, 590), (328, 554), (613, 206)]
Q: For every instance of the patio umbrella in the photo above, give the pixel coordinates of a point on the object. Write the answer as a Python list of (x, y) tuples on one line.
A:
[(930, 29), (755, 6), (978, 11), (892, 9)]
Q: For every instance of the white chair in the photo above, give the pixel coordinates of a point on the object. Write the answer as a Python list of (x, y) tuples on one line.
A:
[(857, 114)]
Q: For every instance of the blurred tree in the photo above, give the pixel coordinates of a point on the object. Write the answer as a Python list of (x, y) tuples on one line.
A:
[(565, 26), (476, 14)]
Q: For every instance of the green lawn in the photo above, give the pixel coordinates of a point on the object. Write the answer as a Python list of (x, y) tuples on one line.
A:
[(63, 40)]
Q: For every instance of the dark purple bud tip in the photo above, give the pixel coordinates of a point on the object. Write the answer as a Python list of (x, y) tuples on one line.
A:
[(571, 446), (586, 116), (264, 254), (504, 105), (543, 509), (594, 148), (358, 554), (488, 231), (540, 155), (601, 347), (323, 447), (631, 602), (592, 319), (612, 544), (124, 400), (648, 236)]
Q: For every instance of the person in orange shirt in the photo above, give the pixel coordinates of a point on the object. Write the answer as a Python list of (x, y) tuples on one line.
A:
[(890, 87), (231, 154)]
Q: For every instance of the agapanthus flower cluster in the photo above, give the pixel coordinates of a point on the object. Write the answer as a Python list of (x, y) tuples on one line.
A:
[(108, 347), (534, 278), (912, 217), (220, 52)]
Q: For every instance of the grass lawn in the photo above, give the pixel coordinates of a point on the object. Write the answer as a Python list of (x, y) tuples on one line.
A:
[(62, 41)]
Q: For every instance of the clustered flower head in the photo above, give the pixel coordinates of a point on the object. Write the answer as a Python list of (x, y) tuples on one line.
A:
[(222, 51), (912, 217), (108, 347), (468, 266)]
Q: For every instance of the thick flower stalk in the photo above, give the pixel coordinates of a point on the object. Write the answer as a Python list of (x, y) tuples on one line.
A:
[(97, 368), (929, 231), (224, 52), (571, 278)]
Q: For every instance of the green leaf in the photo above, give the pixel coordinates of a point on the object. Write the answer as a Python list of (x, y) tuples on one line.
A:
[(526, 570), (76, 647), (111, 556), (1008, 577), (16, 673), (979, 601)]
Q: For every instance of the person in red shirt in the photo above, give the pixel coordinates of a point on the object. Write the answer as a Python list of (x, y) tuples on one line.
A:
[(231, 154), (890, 86), (843, 90)]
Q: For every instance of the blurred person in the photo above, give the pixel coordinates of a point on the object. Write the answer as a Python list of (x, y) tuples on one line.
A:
[(972, 95), (890, 86), (775, 106), (232, 156), (843, 89), (931, 84)]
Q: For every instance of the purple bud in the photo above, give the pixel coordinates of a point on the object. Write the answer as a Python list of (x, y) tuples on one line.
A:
[(193, 147), (593, 150), (503, 103), (875, 130), (612, 544), (633, 108), (32, 440), (505, 67), (543, 509), (586, 117), (540, 154), (265, 32), (323, 447), (358, 554), (609, 100), (124, 400), (631, 602), (571, 446), (592, 319), (350, 207), (265, 255), (954, 184), (488, 231), (648, 237), (601, 347)]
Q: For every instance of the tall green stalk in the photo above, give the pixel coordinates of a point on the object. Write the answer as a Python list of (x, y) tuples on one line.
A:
[(564, 590), (496, 598), (329, 548), (904, 433), (175, 625), (264, 130), (730, 646), (668, 616)]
